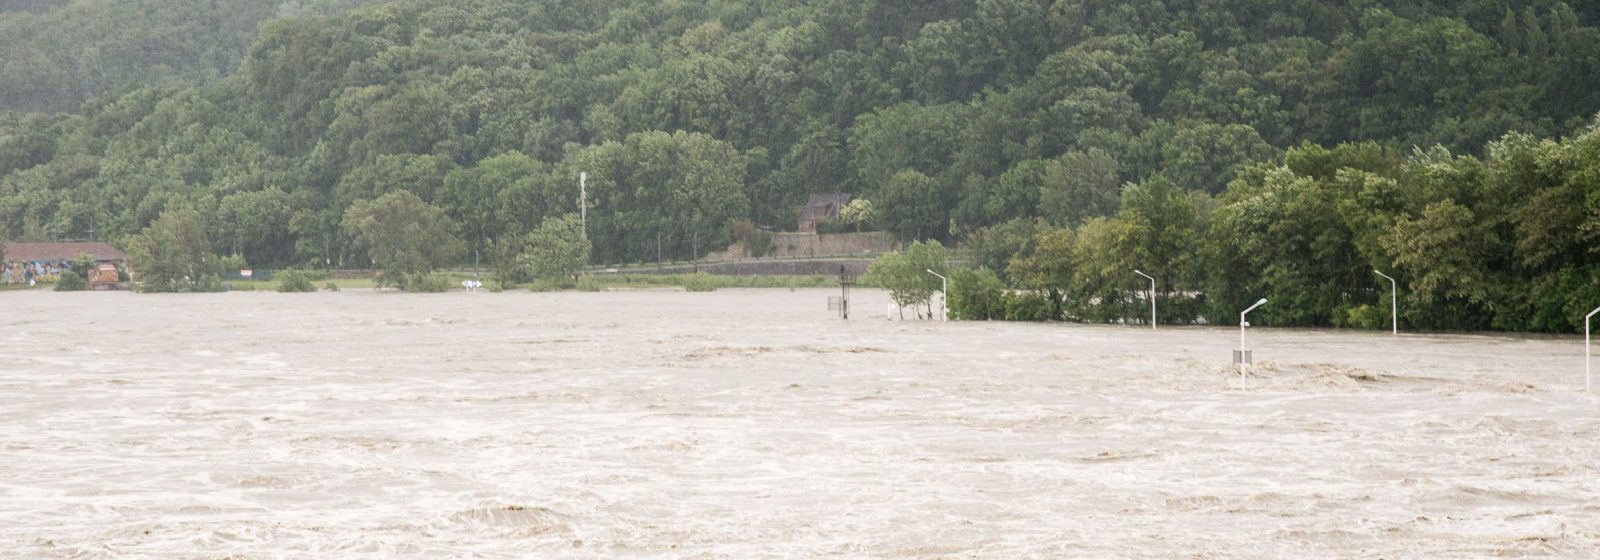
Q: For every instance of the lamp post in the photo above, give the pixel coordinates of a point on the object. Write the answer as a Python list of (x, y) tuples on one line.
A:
[(583, 202), (1394, 315), (1152, 297), (1588, 378), (944, 296), (1242, 325)]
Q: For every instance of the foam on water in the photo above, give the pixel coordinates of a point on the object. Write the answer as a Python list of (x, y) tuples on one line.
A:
[(754, 424)]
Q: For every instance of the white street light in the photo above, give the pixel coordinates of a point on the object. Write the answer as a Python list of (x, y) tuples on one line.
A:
[(1394, 321), (944, 296), (1242, 325), (1588, 378), (1152, 297)]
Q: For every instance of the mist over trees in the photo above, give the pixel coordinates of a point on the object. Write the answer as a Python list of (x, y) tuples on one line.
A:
[(1232, 148)]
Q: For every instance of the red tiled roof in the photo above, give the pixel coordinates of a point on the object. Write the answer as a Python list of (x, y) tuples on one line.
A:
[(61, 251)]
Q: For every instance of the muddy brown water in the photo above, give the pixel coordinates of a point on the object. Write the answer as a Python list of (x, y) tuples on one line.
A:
[(754, 423)]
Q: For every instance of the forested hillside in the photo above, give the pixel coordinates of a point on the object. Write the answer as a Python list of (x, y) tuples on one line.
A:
[(1019, 127), (54, 54)]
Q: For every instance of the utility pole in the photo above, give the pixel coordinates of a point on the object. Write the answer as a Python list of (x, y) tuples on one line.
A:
[(583, 202)]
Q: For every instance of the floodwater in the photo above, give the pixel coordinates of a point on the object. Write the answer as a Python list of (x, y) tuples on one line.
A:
[(754, 423)]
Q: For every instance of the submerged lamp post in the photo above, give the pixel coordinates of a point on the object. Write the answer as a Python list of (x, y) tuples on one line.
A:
[(1244, 357), (1394, 321), (1588, 378), (944, 296), (1152, 297)]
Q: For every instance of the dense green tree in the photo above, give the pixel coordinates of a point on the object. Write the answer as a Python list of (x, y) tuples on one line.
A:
[(682, 189), (256, 225), (1079, 186), (173, 254), (977, 295), (910, 205), (557, 250), (406, 238), (905, 275)]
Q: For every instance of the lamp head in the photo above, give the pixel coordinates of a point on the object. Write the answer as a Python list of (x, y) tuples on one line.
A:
[(1263, 300)]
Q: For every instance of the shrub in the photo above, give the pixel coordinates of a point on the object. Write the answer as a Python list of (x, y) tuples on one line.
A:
[(295, 281), (545, 285), (1027, 306), (1365, 317), (70, 281), (209, 283), (232, 264), (699, 282), (428, 283), (588, 283), (332, 287), (977, 295)]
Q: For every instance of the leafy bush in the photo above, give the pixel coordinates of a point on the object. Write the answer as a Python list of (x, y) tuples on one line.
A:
[(295, 281), (545, 285), (1027, 306), (209, 283), (977, 295), (70, 281), (699, 282), (234, 263), (332, 287), (1365, 317), (428, 283), (588, 283)]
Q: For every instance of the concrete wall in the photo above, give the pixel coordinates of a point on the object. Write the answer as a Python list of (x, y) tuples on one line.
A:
[(765, 267), (806, 245)]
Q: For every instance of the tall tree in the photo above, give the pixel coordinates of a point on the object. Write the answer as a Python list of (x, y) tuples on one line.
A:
[(174, 255), (406, 237)]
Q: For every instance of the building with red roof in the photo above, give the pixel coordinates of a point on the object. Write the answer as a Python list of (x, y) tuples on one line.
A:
[(43, 262)]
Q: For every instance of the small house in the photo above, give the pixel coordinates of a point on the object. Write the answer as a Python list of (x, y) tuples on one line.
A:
[(34, 263), (822, 208)]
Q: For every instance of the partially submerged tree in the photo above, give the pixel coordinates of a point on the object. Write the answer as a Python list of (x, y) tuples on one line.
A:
[(557, 250), (905, 275), (406, 237), (174, 255)]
